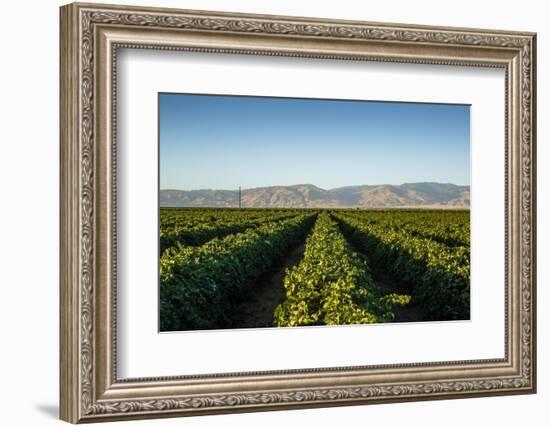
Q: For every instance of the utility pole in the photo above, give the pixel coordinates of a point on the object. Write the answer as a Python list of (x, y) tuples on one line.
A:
[(239, 196)]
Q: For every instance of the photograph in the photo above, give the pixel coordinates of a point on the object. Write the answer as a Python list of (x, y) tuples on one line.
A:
[(291, 212), (268, 212)]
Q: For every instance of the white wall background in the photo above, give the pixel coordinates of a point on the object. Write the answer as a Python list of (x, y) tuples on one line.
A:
[(29, 171)]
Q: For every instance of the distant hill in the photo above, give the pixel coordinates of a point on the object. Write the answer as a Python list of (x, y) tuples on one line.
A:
[(416, 195)]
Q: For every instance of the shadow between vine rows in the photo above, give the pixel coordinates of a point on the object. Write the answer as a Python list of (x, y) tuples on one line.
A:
[(388, 283), (440, 298), (256, 311)]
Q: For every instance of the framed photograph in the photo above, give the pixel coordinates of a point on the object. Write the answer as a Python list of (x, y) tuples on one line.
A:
[(267, 212)]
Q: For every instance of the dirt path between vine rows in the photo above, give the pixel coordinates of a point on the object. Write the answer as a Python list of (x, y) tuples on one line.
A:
[(266, 294), (408, 313)]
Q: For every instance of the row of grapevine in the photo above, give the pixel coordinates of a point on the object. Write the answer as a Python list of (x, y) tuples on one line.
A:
[(196, 228), (199, 285), (193, 216), (332, 285), (438, 274), (451, 228)]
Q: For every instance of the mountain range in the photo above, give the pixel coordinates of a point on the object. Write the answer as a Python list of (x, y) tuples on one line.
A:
[(409, 195)]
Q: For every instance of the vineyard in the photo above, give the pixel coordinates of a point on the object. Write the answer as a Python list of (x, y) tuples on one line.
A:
[(311, 267)]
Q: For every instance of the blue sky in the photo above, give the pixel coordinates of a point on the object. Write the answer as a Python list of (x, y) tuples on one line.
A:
[(221, 142)]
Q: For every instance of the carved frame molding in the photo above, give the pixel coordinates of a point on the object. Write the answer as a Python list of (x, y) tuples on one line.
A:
[(90, 36)]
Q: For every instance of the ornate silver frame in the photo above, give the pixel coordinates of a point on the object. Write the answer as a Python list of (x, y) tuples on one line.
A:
[(90, 36)]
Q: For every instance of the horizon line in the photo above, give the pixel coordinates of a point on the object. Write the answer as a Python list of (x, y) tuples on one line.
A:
[(313, 185)]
